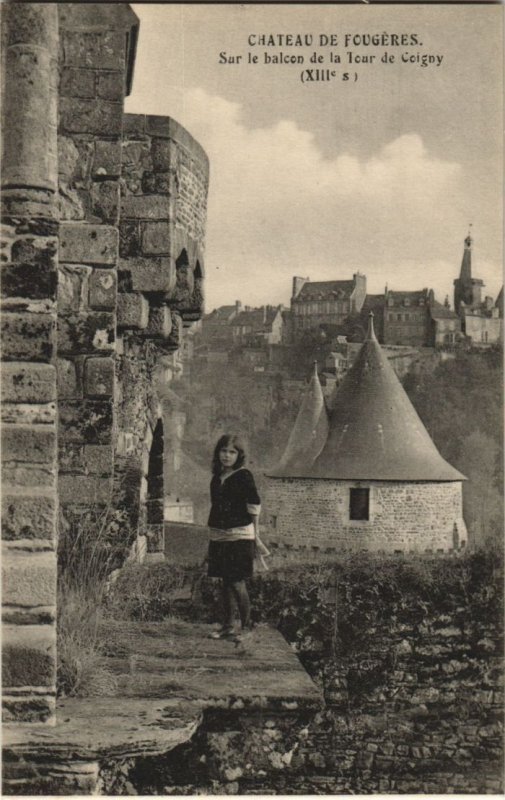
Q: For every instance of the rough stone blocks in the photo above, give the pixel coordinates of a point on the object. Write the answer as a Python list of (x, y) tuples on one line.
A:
[(107, 158), (99, 377), (156, 238), (150, 274), (73, 287), (29, 579), (85, 421), (68, 388), (132, 310), (95, 116), (85, 333), (27, 336), (146, 206), (84, 489), (28, 516), (29, 443), (28, 383), (103, 289), (32, 272), (28, 655), (103, 50), (160, 322), (81, 243)]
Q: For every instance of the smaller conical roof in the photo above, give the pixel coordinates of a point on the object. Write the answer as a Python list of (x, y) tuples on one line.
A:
[(309, 433), (375, 432)]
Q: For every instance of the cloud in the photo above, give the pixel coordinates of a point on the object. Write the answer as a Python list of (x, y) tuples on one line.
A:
[(279, 207)]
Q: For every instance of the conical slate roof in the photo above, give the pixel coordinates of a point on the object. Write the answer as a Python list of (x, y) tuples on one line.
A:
[(309, 433), (374, 431)]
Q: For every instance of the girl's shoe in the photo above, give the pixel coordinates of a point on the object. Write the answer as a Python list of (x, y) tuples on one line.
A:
[(222, 633)]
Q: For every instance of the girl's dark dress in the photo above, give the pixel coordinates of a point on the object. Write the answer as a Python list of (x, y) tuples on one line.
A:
[(230, 498)]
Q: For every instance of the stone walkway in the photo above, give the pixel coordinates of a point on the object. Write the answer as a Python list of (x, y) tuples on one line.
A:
[(168, 675)]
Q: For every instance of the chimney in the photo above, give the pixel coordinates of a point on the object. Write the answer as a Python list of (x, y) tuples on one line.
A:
[(238, 306), (298, 284)]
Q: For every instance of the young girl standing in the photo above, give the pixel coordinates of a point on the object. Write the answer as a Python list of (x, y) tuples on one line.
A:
[(233, 519)]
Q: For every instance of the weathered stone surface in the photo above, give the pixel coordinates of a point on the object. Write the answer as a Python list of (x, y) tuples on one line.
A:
[(149, 274), (160, 322), (68, 387), (29, 579), (90, 459), (104, 196), (155, 538), (28, 383), (87, 421), (27, 709), (88, 244), (84, 489), (129, 239), (73, 285), (147, 206), (28, 516), (77, 82), (155, 238), (18, 615), (107, 158), (94, 49), (103, 288), (132, 310), (95, 116), (27, 337), (99, 377), (32, 272), (98, 459), (29, 443), (30, 73), (111, 85), (28, 413), (86, 332), (164, 154), (19, 475)]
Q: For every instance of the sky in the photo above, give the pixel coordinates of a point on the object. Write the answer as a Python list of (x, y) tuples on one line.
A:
[(321, 179)]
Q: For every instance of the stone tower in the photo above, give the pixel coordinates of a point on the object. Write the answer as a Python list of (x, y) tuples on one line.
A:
[(376, 482), (467, 290)]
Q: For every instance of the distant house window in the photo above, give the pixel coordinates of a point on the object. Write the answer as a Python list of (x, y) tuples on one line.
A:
[(359, 504), (391, 317), (399, 317), (273, 520)]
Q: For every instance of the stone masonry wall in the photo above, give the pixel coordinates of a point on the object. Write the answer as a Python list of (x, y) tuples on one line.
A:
[(29, 282), (406, 517), (93, 64), (164, 185)]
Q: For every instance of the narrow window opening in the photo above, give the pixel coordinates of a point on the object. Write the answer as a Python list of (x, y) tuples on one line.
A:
[(359, 504)]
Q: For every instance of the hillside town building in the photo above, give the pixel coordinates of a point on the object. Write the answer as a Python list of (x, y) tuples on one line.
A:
[(481, 319), (366, 476), (317, 302)]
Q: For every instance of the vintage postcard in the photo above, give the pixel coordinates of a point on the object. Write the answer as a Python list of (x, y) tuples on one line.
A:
[(252, 423)]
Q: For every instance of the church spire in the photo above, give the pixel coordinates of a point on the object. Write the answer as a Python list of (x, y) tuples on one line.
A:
[(465, 274)]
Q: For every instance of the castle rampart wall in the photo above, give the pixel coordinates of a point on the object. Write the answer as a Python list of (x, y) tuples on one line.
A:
[(29, 430)]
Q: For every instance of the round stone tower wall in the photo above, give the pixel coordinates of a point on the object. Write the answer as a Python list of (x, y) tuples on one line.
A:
[(407, 517)]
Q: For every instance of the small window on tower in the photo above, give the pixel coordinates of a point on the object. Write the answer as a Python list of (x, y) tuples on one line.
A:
[(359, 504)]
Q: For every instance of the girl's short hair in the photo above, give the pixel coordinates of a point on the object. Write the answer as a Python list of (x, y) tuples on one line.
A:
[(229, 440)]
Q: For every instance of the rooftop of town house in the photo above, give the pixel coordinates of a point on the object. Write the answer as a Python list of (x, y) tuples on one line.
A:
[(325, 290), (256, 318), (374, 432), (402, 298), (439, 311)]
